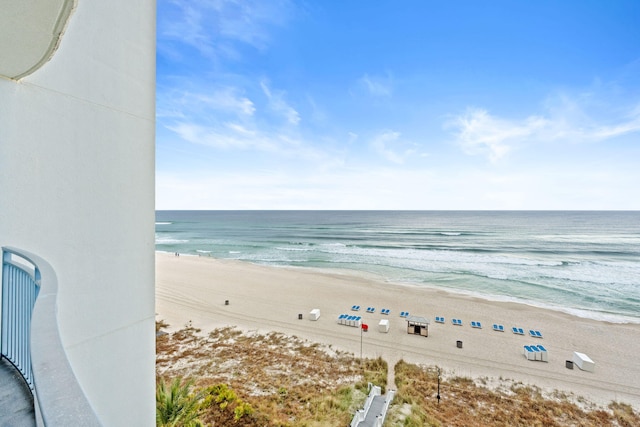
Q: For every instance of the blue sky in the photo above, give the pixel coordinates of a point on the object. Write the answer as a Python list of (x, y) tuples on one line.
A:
[(398, 104)]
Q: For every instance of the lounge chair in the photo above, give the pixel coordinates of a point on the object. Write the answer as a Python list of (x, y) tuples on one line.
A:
[(517, 331), (404, 314), (385, 311), (355, 307), (529, 352), (457, 322), (536, 352), (439, 319), (498, 328), (544, 356), (477, 325), (538, 334), (371, 309)]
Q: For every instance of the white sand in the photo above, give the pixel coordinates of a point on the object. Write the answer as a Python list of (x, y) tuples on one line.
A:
[(270, 299)]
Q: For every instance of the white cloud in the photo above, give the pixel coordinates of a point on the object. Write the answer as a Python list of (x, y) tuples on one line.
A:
[(180, 102), (279, 105), (479, 133), (213, 27), (377, 86), (228, 136), (382, 145)]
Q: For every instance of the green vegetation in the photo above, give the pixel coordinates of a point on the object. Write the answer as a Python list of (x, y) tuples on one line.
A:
[(249, 379), (267, 380), (176, 405)]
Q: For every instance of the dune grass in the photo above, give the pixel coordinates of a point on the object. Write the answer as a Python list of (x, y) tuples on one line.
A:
[(267, 379), (251, 379), (466, 402)]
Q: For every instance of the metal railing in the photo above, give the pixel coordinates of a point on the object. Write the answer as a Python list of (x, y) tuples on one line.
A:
[(31, 341), (20, 287)]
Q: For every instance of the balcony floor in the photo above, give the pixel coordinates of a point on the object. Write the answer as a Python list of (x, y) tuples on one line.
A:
[(16, 402)]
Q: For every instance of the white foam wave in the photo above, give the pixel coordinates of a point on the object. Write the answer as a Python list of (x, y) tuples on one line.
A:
[(294, 249), (203, 252), (169, 241), (164, 223)]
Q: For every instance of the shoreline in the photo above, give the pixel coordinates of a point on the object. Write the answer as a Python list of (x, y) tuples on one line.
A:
[(264, 299)]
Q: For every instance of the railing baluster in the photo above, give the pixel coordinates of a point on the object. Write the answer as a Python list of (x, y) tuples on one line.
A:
[(19, 293)]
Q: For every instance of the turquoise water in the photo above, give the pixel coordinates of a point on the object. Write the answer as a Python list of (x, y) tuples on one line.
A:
[(584, 263)]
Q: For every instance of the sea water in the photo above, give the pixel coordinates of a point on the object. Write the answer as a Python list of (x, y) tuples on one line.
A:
[(585, 263)]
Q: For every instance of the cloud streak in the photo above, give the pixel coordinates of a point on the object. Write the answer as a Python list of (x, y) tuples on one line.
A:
[(218, 27), (279, 105), (479, 133), (377, 86)]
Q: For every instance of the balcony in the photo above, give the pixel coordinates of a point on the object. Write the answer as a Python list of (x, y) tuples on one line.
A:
[(31, 347)]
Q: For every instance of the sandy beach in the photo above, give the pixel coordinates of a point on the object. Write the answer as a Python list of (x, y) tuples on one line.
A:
[(264, 299)]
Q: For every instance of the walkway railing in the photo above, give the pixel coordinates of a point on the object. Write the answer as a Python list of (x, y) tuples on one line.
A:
[(30, 340), (20, 286)]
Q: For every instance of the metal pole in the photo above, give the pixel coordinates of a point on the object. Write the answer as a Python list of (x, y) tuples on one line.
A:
[(438, 396), (360, 344)]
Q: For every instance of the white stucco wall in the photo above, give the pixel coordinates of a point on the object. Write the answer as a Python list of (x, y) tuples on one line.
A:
[(77, 188)]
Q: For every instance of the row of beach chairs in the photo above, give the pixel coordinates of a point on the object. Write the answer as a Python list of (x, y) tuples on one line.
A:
[(458, 322), (536, 352), (533, 333), (350, 320), (371, 309), (496, 327)]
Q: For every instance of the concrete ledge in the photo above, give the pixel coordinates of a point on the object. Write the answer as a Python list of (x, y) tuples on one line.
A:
[(59, 400)]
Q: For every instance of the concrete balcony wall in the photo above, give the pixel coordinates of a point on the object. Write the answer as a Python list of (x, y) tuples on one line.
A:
[(77, 188)]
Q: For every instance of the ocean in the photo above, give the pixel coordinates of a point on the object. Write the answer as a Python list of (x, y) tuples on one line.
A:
[(584, 263)]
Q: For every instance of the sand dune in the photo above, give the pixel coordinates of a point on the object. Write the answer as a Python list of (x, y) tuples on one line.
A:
[(270, 299)]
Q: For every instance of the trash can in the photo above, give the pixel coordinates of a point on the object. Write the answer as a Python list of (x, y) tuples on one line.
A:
[(459, 344), (300, 316), (226, 302), (569, 364)]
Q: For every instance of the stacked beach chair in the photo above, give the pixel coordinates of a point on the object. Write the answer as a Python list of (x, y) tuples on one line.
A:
[(536, 352), (350, 320)]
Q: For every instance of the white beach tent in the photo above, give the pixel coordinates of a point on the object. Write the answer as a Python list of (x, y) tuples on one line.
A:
[(383, 326), (583, 361), (314, 314)]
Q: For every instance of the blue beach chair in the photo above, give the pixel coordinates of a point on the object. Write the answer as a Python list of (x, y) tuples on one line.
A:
[(439, 319), (355, 307), (477, 325), (371, 309), (535, 334)]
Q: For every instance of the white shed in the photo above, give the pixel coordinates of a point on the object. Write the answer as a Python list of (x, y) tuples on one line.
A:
[(314, 314), (583, 361), (383, 326)]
